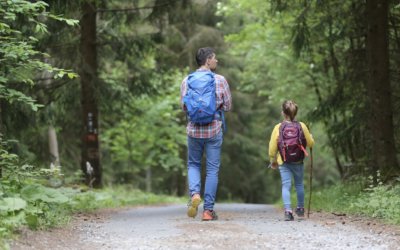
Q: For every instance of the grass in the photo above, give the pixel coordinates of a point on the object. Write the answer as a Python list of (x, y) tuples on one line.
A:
[(379, 201), (356, 197), (119, 196)]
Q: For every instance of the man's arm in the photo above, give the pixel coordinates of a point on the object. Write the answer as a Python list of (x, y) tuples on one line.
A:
[(183, 93), (227, 97)]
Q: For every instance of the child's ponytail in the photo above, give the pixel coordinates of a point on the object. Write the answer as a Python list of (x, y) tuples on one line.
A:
[(289, 108)]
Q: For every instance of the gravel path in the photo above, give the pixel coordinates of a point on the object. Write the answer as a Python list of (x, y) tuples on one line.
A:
[(241, 226)]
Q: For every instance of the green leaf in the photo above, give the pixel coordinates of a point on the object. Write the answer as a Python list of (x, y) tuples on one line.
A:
[(12, 204), (72, 22), (33, 39), (72, 75), (37, 192)]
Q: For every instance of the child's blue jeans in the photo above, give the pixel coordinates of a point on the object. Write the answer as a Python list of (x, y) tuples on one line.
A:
[(288, 171), (196, 147)]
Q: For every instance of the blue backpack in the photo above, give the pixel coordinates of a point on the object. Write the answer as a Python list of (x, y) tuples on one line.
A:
[(200, 97)]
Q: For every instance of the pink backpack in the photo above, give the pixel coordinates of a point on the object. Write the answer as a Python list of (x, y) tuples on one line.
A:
[(292, 142)]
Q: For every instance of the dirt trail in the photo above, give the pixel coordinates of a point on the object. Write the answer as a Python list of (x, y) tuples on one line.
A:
[(241, 226)]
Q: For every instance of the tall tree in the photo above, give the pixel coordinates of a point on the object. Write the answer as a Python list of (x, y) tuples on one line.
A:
[(90, 140), (379, 89)]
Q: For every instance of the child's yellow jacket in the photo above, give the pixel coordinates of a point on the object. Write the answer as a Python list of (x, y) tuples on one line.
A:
[(274, 155)]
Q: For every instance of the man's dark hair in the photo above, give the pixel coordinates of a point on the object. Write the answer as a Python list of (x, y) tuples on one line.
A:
[(203, 54)]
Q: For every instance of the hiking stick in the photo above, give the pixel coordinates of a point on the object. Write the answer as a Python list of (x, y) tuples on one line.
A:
[(311, 170)]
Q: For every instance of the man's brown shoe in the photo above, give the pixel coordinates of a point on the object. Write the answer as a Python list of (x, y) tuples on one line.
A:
[(209, 215), (193, 205)]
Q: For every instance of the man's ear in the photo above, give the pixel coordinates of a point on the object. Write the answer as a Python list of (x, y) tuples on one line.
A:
[(208, 61)]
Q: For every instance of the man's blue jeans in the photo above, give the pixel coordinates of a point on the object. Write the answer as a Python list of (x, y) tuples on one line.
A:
[(287, 172), (196, 147)]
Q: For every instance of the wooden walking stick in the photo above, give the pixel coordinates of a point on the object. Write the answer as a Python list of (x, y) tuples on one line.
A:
[(311, 170)]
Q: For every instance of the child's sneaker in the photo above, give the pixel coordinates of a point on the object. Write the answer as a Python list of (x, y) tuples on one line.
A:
[(209, 215), (289, 216), (299, 211), (193, 205)]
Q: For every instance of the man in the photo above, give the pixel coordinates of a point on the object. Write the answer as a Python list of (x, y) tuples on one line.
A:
[(206, 137)]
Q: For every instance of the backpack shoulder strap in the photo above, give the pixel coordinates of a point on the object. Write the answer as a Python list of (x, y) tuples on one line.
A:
[(301, 137), (298, 125), (281, 127), (280, 141), (300, 128)]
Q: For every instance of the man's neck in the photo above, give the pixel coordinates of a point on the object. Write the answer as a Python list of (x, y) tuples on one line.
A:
[(204, 67)]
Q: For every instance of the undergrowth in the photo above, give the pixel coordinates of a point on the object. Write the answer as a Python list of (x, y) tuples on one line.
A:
[(27, 198), (361, 198)]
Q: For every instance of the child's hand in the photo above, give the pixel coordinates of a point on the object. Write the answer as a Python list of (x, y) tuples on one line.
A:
[(273, 165)]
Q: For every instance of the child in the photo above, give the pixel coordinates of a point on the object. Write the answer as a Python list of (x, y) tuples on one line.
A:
[(290, 138)]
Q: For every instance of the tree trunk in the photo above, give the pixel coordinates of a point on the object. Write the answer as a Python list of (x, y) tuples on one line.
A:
[(53, 147), (378, 88), (88, 74), (52, 135)]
